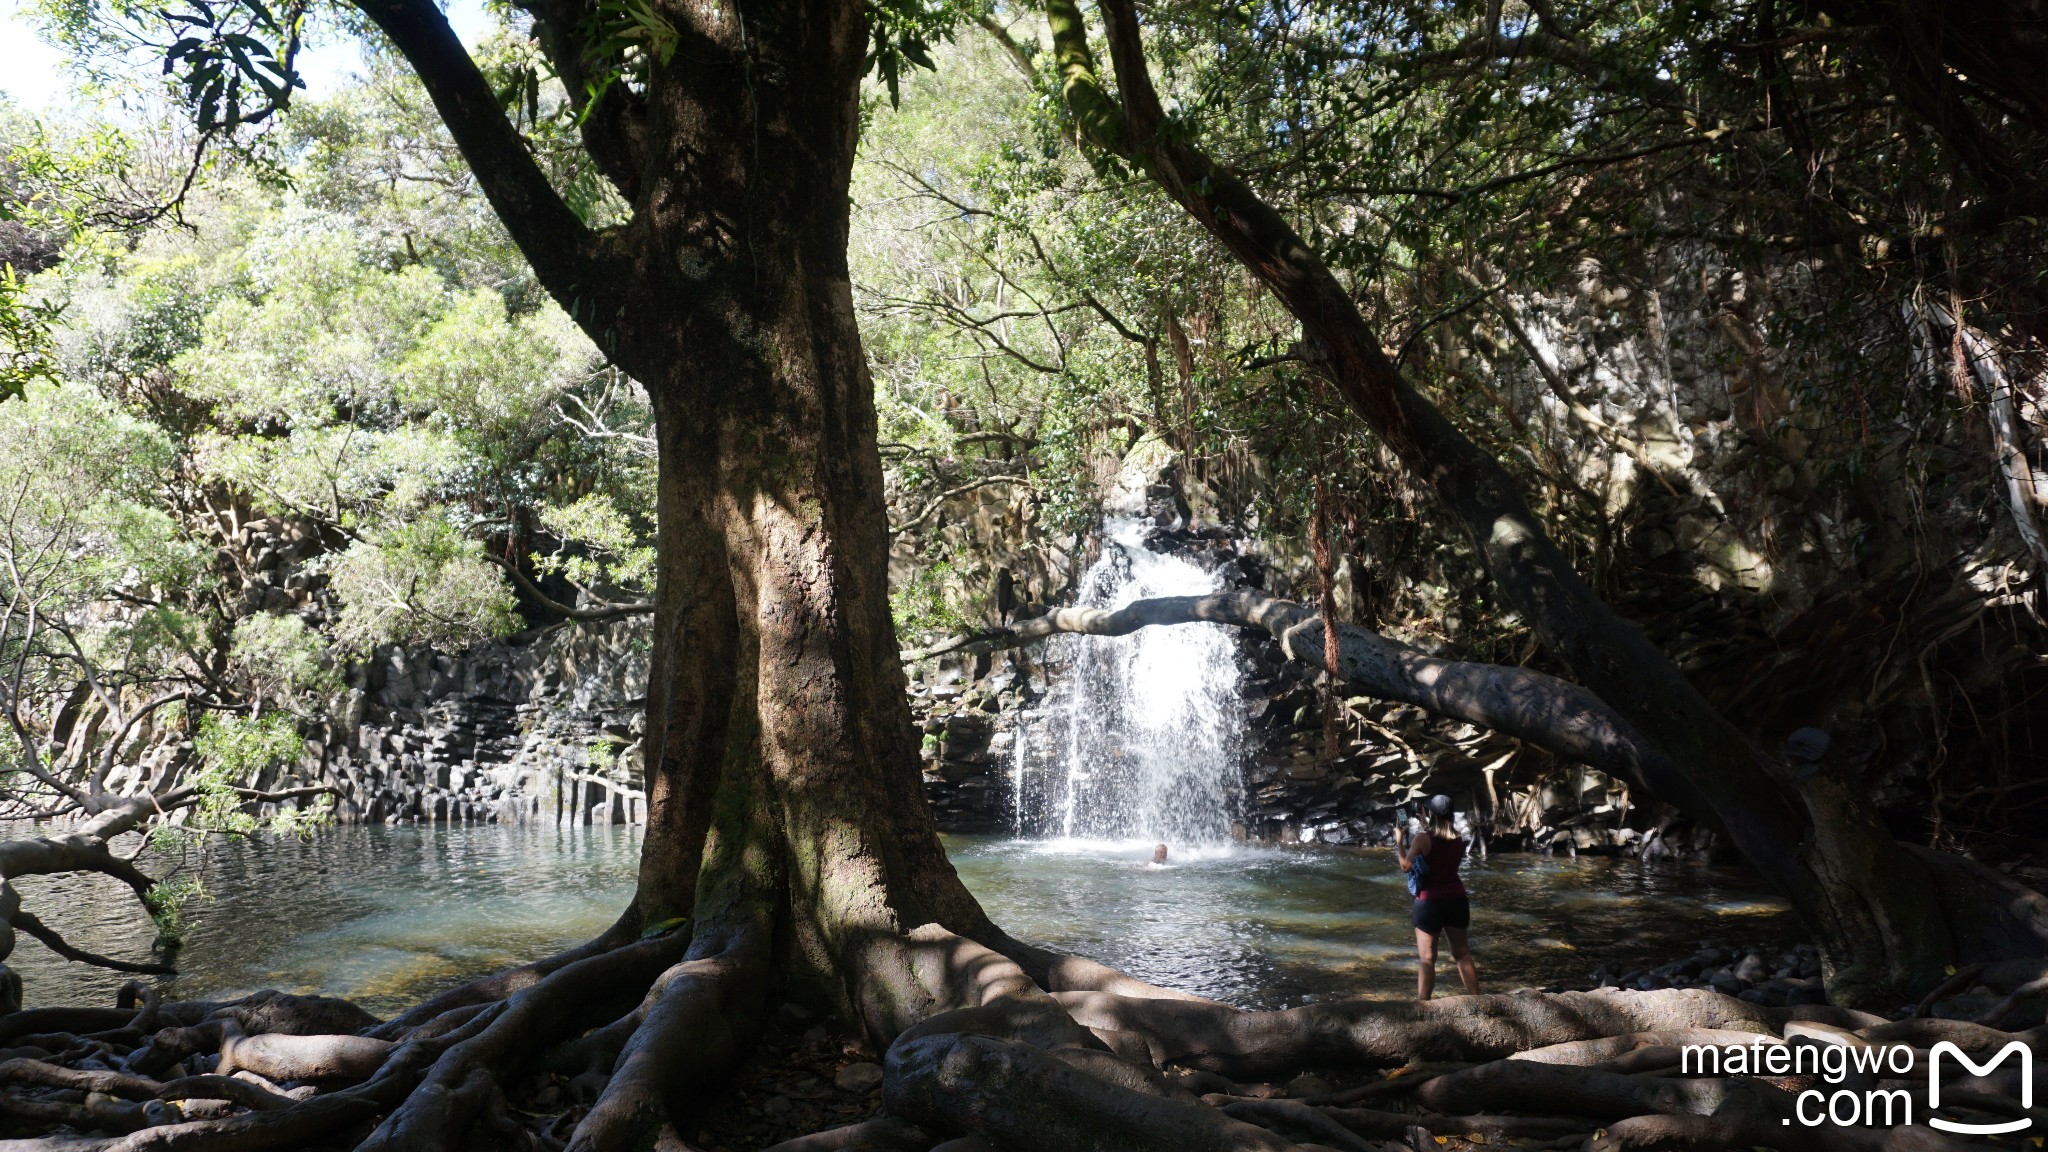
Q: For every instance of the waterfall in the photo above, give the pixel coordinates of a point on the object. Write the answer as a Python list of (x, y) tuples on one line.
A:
[(1140, 736)]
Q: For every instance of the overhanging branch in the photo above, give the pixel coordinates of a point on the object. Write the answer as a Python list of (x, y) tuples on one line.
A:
[(1553, 714), (27, 922), (585, 615)]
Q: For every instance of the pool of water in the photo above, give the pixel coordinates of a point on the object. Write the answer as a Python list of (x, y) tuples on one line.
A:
[(385, 916), (381, 915), (1266, 927)]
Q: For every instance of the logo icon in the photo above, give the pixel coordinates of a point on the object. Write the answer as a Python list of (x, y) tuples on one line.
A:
[(1976, 1069)]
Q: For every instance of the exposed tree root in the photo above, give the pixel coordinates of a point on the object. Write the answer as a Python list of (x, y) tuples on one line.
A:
[(16, 1027), (1376, 1125), (1526, 1086), (465, 1080), (1996, 1014), (966, 1144), (233, 1089), (1564, 1060), (885, 1134), (1301, 1122), (697, 1021), (1022, 1097), (1251, 1044), (276, 1056), (998, 1063), (1608, 1049)]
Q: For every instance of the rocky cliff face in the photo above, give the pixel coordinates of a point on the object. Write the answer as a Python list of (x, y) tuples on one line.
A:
[(1853, 557), (546, 727)]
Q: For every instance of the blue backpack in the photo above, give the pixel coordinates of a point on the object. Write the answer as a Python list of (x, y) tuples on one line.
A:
[(1418, 873)]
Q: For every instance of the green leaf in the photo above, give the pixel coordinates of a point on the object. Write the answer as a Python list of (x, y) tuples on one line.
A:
[(664, 927)]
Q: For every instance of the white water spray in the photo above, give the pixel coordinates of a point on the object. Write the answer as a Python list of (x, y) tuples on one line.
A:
[(1143, 730)]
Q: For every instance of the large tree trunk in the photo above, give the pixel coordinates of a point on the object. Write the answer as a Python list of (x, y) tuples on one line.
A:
[(774, 644), (786, 818)]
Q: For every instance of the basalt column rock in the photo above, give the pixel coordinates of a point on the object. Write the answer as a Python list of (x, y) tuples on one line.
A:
[(543, 728)]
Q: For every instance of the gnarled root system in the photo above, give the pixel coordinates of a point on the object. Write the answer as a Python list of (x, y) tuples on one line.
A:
[(1030, 1053), (652, 1027)]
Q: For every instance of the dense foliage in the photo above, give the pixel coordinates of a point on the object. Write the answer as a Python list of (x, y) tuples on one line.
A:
[(328, 412), (1691, 271)]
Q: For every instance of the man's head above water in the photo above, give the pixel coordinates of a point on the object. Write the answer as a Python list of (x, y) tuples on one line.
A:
[(1159, 854)]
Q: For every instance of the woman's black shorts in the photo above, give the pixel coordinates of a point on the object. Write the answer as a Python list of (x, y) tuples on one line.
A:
[(1433, 914)]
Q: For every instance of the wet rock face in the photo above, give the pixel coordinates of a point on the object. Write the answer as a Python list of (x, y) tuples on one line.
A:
[(967, 733), (547, 727)]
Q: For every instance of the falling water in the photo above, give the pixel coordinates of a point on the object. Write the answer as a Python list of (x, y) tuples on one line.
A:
[(1141, 732), (1020, 759)]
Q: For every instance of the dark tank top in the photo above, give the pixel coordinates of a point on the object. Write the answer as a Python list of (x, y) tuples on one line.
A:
[(1444, 858)]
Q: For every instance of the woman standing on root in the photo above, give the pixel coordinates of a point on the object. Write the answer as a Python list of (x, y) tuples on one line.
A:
[(1440, 903)]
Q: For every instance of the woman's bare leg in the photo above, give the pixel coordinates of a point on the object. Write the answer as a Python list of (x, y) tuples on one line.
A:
[(1425, 974), (1468, 972)]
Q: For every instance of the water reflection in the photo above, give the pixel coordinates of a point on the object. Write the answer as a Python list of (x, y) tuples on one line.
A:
[(1262, 928), (386, 916), (383, 916)]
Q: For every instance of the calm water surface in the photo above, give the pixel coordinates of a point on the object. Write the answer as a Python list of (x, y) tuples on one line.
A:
[(1265, 927), (385, 916), (381, 915)]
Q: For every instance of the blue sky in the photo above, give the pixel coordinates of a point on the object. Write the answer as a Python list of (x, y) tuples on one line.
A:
[(33, 74)]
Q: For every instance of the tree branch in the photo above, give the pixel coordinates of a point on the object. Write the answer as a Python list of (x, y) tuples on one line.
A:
[(563, 251), (27, 922), (279, 797), (586, 615), (1254, 232), (1540, 709), (612, 116), (1015, 51), (939, 500), (1540, 45)]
